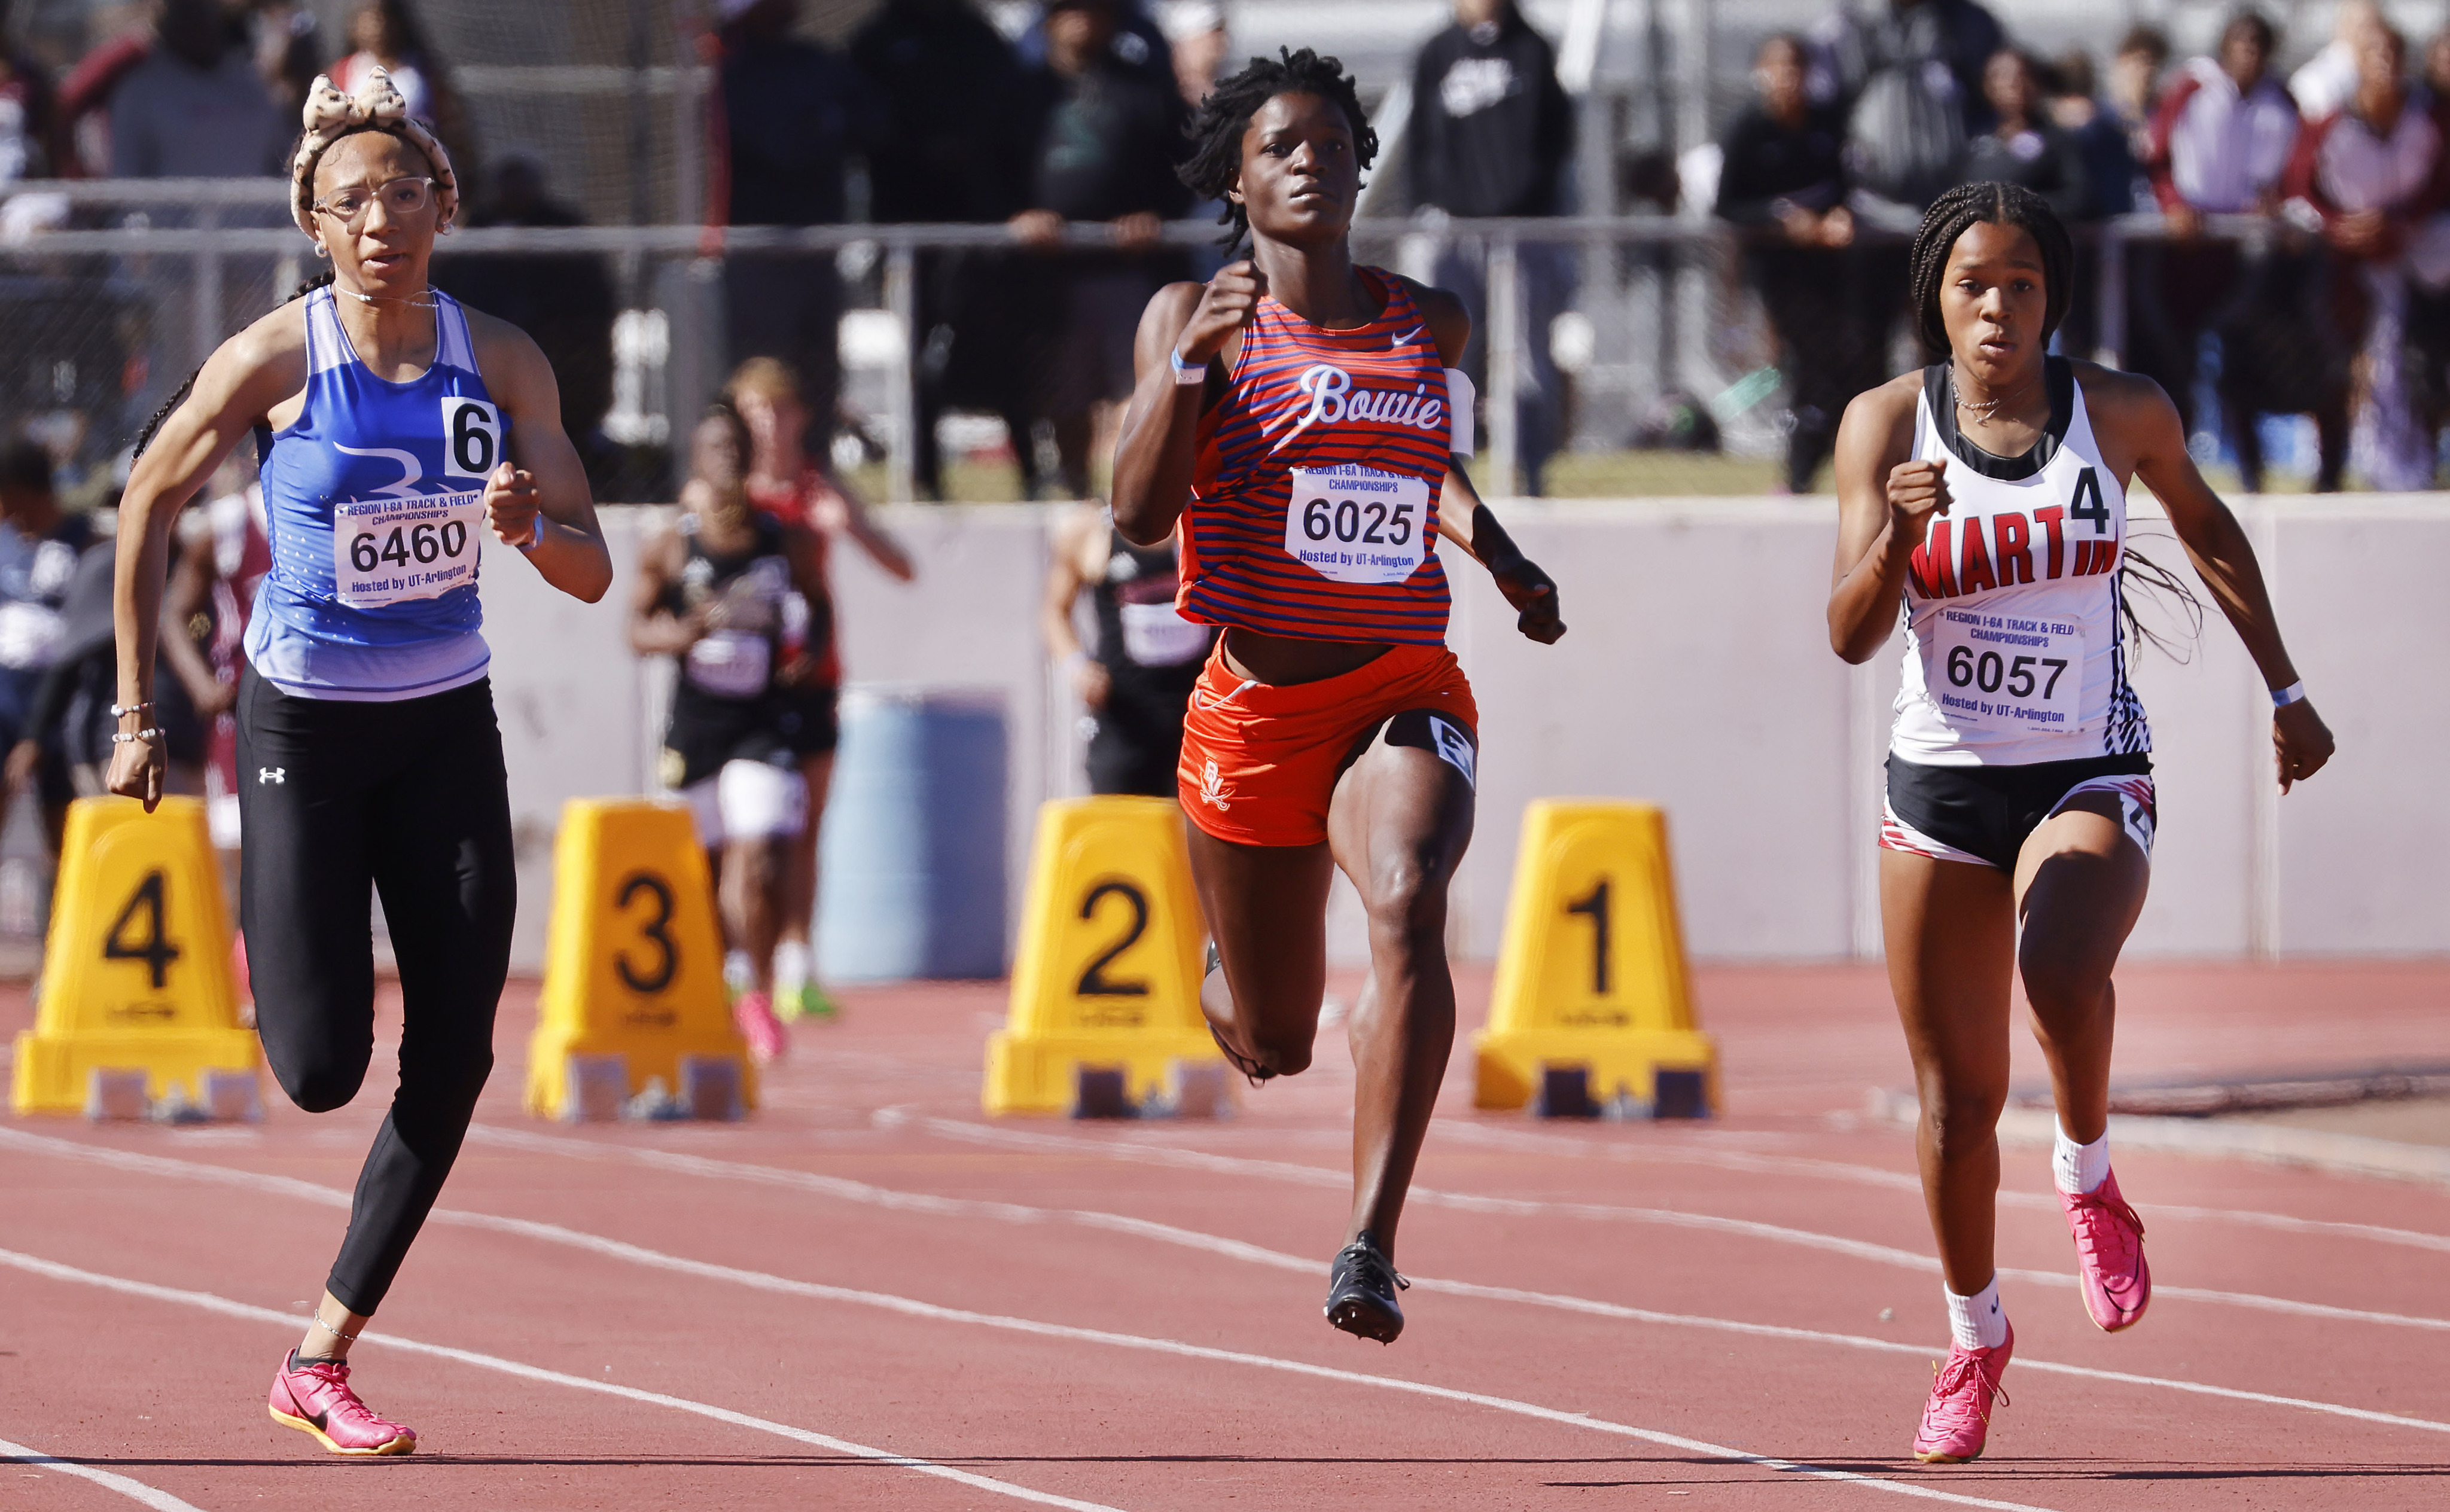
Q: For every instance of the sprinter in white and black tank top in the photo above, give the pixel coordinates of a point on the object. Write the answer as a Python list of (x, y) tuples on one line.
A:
[(1986, 495), (2016, 653)]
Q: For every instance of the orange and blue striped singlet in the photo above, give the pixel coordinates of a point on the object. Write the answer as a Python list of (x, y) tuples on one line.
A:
[(1314, 497)]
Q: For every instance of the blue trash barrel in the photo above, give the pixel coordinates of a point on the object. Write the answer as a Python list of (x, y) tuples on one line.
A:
[(913, 847)]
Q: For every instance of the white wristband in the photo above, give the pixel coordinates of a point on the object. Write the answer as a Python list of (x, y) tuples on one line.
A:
[(2293, 693), (1187, 374)]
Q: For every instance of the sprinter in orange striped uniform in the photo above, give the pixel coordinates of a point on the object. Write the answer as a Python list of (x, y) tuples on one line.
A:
[(1303, 417)]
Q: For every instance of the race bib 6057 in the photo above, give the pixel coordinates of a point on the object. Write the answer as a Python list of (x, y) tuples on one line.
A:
[(2006, 672), (1356, 524)]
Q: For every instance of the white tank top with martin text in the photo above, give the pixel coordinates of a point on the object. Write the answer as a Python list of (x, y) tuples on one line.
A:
[(2015, 650)]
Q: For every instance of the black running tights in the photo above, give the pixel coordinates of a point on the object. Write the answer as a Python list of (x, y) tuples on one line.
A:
[(341, 800)]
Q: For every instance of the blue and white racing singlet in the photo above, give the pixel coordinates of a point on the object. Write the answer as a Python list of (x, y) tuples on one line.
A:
[(373, 503)]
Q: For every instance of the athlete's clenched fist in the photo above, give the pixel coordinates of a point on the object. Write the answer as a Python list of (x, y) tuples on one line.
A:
[(1231, 298), (511, 502), (1917, 492)]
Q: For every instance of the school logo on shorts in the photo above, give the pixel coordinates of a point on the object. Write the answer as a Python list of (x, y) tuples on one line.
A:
[(1211, 786), (1456, 747)]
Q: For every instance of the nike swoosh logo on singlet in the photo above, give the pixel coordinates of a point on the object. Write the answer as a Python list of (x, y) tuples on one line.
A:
[(1405, 339), (411, 470)]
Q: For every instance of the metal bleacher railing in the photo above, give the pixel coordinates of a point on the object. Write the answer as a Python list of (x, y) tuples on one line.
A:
[(215, 251)]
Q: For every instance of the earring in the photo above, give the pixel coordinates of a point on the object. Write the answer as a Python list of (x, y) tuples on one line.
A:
[(323, 251)]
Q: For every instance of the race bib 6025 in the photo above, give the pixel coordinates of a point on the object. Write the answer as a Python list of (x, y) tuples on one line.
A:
[(1356, 524)]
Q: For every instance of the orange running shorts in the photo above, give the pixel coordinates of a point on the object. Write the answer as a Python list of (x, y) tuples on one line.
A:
[(1259, 762)]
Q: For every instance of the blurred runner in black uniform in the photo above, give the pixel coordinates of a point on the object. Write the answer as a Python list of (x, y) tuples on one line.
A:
[(711, 594), (1138, 683)]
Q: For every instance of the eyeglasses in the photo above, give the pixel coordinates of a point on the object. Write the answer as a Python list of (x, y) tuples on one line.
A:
[(401, 197)]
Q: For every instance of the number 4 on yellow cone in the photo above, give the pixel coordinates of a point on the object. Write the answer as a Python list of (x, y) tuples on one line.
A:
[(136, 968), (1592, 1007)]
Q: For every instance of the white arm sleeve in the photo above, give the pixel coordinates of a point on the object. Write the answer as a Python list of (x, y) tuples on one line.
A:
[(1459, 400)]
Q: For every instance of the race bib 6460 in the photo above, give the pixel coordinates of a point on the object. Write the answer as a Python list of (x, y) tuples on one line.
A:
[(2007, 671), (1356, 524), (389, 550)]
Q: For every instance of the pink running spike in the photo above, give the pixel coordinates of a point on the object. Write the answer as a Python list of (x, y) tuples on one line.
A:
[(314, 1396), (754, 1013), (2116, 1283), (1956, 1420)]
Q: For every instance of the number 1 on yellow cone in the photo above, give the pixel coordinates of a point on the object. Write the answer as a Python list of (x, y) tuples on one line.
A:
[(1591, 973)]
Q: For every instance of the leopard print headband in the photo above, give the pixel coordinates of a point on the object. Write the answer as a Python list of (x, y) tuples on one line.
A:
[(377, 106)]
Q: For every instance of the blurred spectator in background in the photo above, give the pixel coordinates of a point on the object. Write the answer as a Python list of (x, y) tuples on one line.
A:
[(947, 87), (1783, 181), (287, 52), (2322, 84), (787, 117), (2113, 177), (2135, 86), (39, 543), (27, 125), (2369, 173), (193, 106), (1910, 76), (1138, 42), (563, 300), (1492, 133), (1107, 136), (2221, 140), (386, 36), (1196, 30), (2428, 268), (2024, 145)]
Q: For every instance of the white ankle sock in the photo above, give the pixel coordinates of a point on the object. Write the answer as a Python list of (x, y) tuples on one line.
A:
[(1976, 1322), (2077, 1167), (791, 966), (737, 973)]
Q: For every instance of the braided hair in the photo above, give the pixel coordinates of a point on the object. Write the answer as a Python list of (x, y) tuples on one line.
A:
[(1998, 203), (1216, 129)]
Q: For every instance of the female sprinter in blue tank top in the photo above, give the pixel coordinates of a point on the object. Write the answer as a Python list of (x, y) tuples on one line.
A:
[(1301, 416), (393, 427), (1986, 496)]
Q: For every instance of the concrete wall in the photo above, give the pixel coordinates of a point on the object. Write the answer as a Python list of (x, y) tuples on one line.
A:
[(1697, 675)]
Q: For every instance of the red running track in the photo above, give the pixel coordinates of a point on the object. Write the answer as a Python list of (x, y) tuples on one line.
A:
[(1740, 1314)]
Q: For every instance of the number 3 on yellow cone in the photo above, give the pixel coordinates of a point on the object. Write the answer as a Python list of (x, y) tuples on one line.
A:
[(136, 968), (1591, 974), (1107, 975), (633, 960)]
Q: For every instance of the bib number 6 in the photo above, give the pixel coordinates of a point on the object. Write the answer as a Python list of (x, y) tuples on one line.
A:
[(472, 437)]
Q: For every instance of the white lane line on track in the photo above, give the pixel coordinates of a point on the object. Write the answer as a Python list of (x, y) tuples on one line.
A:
[(211, 1302), (910, 1307), (1668, 1217), (137, 1491), (1166, 1233), (1904, 1181)]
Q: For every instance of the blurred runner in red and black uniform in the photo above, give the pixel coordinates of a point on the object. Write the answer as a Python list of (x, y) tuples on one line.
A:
[(798, 488)]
